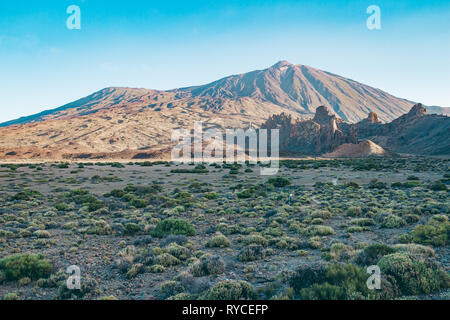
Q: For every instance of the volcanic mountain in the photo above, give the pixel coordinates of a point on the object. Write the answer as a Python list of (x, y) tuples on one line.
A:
[(137, 123)]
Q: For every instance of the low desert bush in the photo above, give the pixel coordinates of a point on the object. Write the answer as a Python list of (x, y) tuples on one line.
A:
[(170, 288), (279, 182), (393, 221), (414, 274), (354, 211), (251, 253), (208, 266), (319, 230), (219, 241), (435, 232), (333, 282), (173, 226), (179, 252), (230, 290), (256, 239), (371, 254), (25, 265), (166, 260)]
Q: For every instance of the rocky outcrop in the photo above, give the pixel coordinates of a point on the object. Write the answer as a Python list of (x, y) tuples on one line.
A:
[(323, 133), (413, 133), (368, 127), (416, 133)]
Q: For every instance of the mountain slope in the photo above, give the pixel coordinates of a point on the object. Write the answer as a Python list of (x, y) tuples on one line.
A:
[(302, 89), (128, 122), (295, 88)]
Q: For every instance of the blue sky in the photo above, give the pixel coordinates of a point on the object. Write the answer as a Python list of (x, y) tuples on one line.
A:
[(168, 44)]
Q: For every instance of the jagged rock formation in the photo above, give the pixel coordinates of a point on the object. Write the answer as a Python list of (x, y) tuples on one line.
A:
[(413, 133), (322, 134), (370, 126)]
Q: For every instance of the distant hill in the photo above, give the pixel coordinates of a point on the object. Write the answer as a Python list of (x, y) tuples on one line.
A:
[(365, 148)]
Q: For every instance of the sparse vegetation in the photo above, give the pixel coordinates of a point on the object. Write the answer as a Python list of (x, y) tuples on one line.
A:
[(182, 229)]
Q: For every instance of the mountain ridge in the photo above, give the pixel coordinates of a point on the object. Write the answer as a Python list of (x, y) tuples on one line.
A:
[(297, 88), (132, 121)]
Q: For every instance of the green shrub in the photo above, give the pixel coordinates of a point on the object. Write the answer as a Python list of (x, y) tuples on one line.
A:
[(178, 251), (86, 292), (11, 296), (279, 182), (375, 184), (166, 260), (211, 195), (416, 249), (61, 206), (135, 270), (336, 281), (438, 186), (323, 291), (42, 234), (6, 234), (99, 227), (256, 239), (170, 288), (219, 241), (414, 274), (411, 218), (230, 290), (306, 276), (246, 194), (322, 214), (348, 276), (132, 229), (432, 233), (208, 266), (393, 221), (24, 281), (354, 211), (363, 222), (139, 203), (341, 252), (157, 268), (371, 254), (320, 230), (173, 226), (251, 253), (109, 298), (27, 195), (355, 229), (25, 265), (181, 296), (95, 205)]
